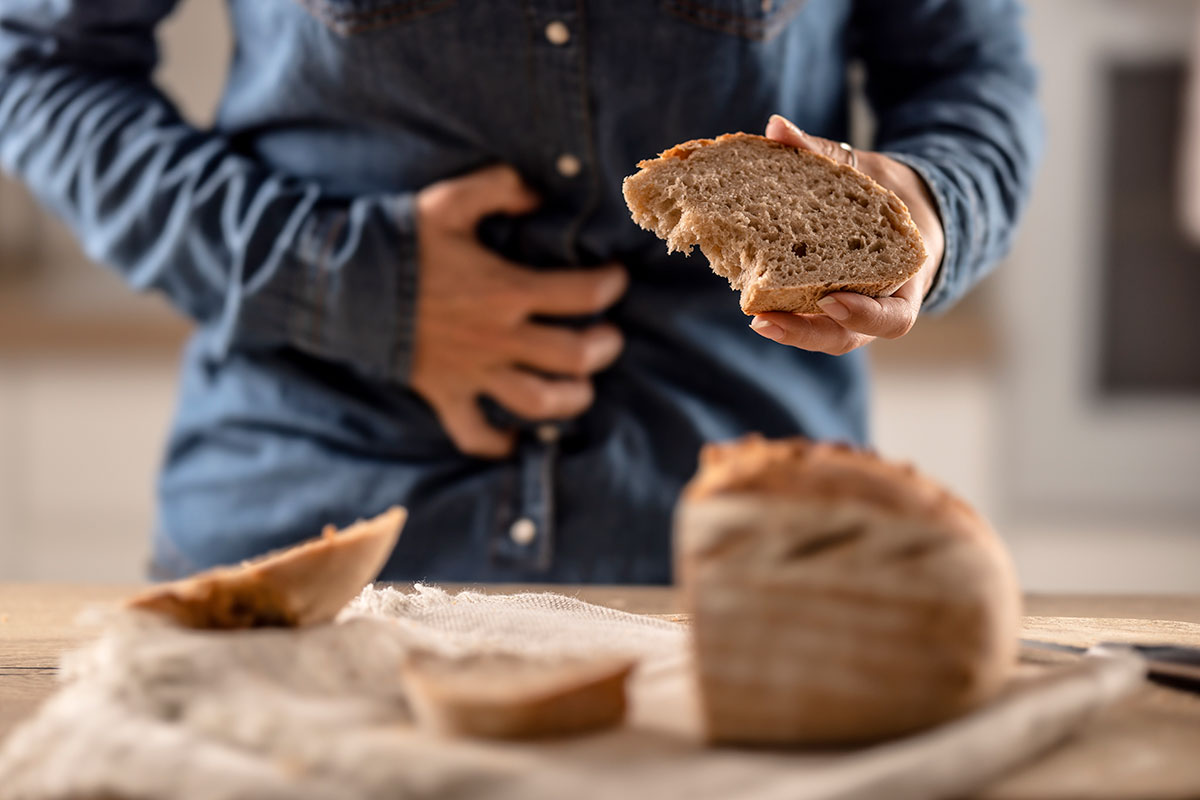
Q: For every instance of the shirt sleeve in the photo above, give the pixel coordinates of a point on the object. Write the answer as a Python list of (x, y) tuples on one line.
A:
[(266, 259), (954, 94)]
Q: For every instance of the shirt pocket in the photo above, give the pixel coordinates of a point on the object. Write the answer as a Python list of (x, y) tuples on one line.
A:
[(749, 19), (350, 17)]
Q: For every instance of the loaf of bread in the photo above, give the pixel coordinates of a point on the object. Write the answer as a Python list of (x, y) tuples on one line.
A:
[(507, 697), (837, 598), (302, 585), (785, 226)]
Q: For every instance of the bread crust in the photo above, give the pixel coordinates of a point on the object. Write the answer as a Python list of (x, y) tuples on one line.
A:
[(302, 585), (836, 597), (803, 469), (803, 299), (512, 697), (685, 149)]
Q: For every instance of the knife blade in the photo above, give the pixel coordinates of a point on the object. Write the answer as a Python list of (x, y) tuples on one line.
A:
[(1175, 666)]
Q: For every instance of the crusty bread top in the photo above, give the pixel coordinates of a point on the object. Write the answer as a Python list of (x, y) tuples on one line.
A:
[(784, 226), (801, 469), (301, 585)]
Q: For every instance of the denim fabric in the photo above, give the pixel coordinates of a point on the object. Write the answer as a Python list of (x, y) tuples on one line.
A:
[(286, 232)]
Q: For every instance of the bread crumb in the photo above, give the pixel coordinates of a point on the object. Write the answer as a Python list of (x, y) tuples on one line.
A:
[(784, 226)]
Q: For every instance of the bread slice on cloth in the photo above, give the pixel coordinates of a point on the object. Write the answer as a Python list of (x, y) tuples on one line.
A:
[(838, 598), (508, 696), (302, 585), (785, 226)]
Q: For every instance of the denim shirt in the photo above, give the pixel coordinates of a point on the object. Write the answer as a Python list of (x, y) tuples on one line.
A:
[(286, 232)]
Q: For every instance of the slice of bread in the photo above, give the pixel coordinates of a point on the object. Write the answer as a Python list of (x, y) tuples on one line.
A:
[(302, 585), (510, 697), (785, 226)]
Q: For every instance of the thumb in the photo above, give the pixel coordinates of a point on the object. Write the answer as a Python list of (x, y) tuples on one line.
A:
[(785, 131), (460, 203)]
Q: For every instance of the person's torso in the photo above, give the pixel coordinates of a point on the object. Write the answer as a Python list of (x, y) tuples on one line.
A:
[(369, 96)]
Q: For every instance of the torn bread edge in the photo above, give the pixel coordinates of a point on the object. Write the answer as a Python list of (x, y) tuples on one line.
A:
[(302, 585)]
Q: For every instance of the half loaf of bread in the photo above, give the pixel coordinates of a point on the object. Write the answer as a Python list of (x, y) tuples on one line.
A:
[(302, 585), (837, 598), (785, 226)]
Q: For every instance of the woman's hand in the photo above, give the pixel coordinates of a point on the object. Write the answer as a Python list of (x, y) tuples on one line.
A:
[(477, 328), (851, 320)]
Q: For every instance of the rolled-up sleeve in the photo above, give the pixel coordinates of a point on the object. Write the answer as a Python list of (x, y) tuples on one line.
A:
[(955, 98), (266, 259)]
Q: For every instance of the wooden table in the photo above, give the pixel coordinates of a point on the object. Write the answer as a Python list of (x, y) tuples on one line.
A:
[(1146, 748)]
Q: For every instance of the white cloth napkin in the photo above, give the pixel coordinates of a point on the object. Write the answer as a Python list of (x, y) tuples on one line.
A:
[(154, 711)]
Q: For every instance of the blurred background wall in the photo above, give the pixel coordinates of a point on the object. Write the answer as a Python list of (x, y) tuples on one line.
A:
[(1059, 398)]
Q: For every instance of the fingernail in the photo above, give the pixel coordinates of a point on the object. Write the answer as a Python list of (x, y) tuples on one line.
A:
[(787, 123), (791, 126), (767, 329), (833, 308)]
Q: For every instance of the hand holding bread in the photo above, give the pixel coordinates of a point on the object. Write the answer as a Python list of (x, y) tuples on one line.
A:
[(826, 256), (851, 320)]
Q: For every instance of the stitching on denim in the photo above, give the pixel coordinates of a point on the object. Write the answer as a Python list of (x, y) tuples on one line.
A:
[(346, 23), (321, 285), (326, 9), (592, 175), (734, 23)]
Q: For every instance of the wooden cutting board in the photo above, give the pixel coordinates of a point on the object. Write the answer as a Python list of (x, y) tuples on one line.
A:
[(1145, 747)]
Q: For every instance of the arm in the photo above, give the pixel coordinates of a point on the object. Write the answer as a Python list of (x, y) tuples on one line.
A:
[(265, 259), (955, 96), (958, 138)]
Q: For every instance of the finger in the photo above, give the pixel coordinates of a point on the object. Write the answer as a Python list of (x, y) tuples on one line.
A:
[(885, 317), (808, 332), (470, 431), (580, 291), (536, 398), (459, 203), (562, 351), (785, 131)]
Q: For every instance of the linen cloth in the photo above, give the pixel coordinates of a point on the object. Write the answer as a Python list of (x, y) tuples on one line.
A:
[(151, 710)]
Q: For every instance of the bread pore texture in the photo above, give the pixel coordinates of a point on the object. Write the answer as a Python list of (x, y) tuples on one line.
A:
[(838, 598), (785, 226)]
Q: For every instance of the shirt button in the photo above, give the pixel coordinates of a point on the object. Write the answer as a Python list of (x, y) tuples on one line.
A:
[(547, 433), (568, 165), (558, 33), (523, 531)]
